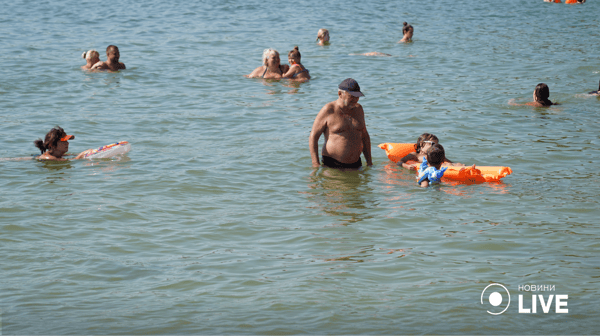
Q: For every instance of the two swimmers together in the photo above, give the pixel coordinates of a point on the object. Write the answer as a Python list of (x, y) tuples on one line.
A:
[(429, 158), (273, 69), (92, 58)]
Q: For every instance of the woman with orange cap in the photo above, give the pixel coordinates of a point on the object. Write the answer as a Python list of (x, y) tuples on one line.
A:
[(56, 145)]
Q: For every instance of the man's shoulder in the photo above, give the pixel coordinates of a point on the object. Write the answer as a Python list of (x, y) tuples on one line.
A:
[(329, 107)]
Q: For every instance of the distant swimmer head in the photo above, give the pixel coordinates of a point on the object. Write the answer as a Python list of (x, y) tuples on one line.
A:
[(436, 155), (112, 52), (406, 28), (92, 56), (541, 94), (424, 142), (270, 56), (294, 55), (57, 138), (323, 35)]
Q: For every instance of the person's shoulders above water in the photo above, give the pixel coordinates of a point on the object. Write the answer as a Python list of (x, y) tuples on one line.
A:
[(105, 66)]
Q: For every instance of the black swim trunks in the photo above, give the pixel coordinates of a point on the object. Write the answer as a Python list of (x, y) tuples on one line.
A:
[(333, 163)]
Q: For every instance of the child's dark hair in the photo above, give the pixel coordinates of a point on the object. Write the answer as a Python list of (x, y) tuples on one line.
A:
[(295, 53), (436, 155), (422, 138), (51, 139)]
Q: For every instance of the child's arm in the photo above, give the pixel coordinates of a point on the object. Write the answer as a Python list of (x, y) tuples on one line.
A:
[(291, 71), (409, 157)]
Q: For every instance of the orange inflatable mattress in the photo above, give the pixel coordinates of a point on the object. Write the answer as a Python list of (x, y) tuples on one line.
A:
[(396, 151)]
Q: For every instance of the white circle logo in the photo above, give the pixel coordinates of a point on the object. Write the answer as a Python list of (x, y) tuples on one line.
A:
[(496, 300)]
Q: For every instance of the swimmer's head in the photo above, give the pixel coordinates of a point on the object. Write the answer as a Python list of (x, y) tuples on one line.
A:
[(436, 155), (91, 55), (112, 52), (424, 142), (323, 35), (294, 54), (52, 139), (541, 93), (350, 86), (269, 54)]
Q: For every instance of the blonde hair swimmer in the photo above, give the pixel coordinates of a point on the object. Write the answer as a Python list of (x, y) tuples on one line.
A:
[(407, 31), (55, 145), (271, 68), (323, 36), (112, 60), (91, 57), (297, 71)]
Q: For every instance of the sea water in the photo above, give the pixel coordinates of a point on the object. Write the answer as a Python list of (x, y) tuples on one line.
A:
[(216, 223)]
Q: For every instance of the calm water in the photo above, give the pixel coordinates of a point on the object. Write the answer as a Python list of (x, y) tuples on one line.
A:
[(215, 222)]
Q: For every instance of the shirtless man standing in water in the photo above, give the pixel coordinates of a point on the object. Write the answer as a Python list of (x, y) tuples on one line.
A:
[(343, 123)]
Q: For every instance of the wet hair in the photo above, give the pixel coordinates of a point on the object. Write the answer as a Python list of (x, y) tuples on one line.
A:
[(90, 54), (322, 33), (267, 53), (51, 140), (405, 27), (295, 54), (111, 48), (436, 155), (422, 138), (541, 93)]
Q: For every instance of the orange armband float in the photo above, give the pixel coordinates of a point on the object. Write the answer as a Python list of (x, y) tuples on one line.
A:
[(480, 174)]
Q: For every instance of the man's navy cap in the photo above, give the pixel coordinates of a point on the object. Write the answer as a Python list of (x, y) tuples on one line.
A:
[(351, 86)]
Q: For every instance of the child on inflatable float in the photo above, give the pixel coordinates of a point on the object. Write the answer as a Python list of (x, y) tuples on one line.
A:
[(431, 170), (424, 143)]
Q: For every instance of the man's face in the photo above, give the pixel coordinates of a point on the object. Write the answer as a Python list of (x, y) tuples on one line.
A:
[(349, 100), (113, 54)]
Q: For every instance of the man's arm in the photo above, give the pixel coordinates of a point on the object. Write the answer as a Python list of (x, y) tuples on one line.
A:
[(366, 139), (319, 126), (367, 147)]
